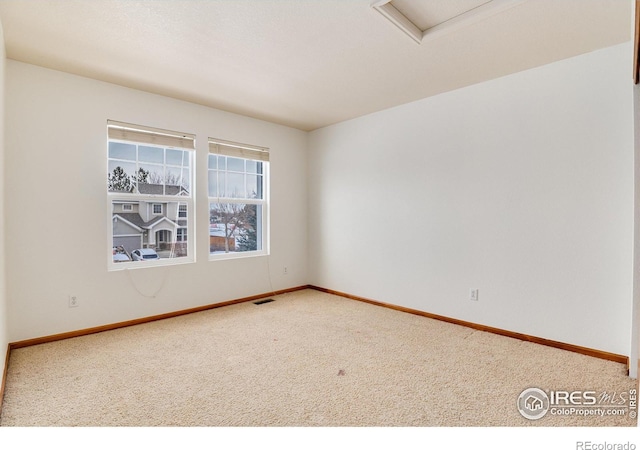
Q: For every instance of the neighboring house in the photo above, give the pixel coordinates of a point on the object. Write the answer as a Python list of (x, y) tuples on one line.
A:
[(146, 224), (217, 238)]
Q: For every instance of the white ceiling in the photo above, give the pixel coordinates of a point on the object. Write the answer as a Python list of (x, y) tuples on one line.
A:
[(302, 63)]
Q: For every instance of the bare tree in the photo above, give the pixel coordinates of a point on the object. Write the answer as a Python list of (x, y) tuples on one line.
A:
[(234, 217), (169, 179), (155, 178)]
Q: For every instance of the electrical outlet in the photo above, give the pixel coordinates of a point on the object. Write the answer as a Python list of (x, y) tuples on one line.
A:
[(285, 270), (473, 295), (73, 301)]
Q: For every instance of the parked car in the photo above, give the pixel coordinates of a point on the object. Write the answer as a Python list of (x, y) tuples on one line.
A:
[(144, 254), (120, 257), (120, 254)]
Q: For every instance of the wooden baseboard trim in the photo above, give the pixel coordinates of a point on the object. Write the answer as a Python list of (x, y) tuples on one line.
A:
[(523, 337), (4, 377), (128, 323)]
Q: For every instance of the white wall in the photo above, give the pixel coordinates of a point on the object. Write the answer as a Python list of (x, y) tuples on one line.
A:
[(521, 187), (56, 206), (635, 335), (4, 334)]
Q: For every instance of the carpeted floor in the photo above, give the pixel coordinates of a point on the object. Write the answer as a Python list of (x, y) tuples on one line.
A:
[(306, 359)]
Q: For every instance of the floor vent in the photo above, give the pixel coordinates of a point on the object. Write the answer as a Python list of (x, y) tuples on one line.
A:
[(261, 302)]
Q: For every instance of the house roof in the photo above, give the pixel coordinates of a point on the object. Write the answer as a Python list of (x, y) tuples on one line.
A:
[(128, 220), (305, 64), (153, 223), (160, 189), (132, 218), (135, 219)]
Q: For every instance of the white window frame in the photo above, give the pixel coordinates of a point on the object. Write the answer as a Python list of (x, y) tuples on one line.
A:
[(147, 136), (250, 152), (153, 209)]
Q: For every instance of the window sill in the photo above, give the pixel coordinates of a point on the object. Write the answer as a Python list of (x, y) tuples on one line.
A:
[(134, 265), (236, 255)]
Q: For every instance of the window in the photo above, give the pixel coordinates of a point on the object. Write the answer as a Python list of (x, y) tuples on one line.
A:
[(163, 236), (238, 200), (149, 190)]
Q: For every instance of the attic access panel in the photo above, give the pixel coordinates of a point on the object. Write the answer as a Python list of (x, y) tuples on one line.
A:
[(421, 20), (425, 15)]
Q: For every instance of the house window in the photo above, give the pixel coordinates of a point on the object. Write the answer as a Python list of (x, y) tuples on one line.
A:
[(238, 200), (149, 183), (181, 236)]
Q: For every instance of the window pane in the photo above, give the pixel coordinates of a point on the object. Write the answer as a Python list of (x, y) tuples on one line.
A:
[(235, 185), (235, 164), (176, 181), (174, 157), (161, 179), (252, 166), (137, 239), (243, 178), (119, 150), (173, 176), (151, 179), (222, 177), (186, 186), (234, 228), (151, 154), (254, 186), (213, 183), (121, 176), (213, 162)]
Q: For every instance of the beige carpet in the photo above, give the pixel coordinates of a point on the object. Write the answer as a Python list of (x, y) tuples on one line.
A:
[(306, 359)]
